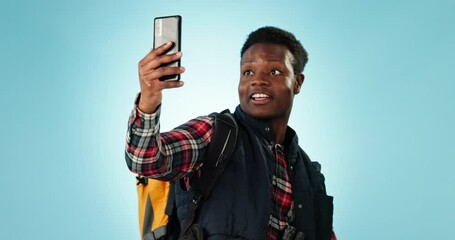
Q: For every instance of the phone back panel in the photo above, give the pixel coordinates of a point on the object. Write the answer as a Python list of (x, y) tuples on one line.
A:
[(168, 29)]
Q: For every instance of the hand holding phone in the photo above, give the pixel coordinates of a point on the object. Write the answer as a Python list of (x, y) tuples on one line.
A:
[(150, 72), (161, 65)]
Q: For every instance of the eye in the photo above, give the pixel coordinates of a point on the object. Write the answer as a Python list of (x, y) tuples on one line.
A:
[(275, 72), (247, 73)]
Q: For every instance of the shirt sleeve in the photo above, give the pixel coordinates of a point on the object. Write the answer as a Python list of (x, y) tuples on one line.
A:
[(333, 236), (165, 156)]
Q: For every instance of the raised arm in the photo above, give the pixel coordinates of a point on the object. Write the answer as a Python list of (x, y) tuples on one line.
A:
[(170, 155)]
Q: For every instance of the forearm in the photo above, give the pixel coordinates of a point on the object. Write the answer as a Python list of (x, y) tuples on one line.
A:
[(165, 156), (142, 151)]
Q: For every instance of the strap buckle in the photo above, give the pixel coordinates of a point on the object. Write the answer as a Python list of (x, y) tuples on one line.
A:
[(141, 180), (197, 198)]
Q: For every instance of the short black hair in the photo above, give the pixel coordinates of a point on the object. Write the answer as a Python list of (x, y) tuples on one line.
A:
[(276, 35)]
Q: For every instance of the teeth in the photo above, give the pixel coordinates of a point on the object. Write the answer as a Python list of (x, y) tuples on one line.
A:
[(260, 95)]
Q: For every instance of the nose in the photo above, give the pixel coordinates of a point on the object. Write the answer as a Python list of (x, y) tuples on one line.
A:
[(260, 80)]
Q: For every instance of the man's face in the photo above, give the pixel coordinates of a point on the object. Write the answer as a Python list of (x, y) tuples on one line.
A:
[(267, 81)]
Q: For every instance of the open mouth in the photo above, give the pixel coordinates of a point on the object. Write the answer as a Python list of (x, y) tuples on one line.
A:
[(260, 97)]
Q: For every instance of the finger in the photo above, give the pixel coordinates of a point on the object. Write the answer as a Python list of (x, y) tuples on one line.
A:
[(159, 61), (156, 52), (163, 71), (171, 84)]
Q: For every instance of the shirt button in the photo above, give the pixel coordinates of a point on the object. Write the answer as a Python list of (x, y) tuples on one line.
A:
[(267, 129), (299, 206)]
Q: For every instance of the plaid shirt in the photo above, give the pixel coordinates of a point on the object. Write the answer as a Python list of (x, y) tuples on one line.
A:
[(165, 156), (173, 155)]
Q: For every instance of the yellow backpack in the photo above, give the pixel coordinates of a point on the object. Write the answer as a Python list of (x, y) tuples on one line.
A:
[(155, 198)]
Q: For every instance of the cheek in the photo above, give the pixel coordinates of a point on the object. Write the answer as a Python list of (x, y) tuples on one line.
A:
[(242, 88), (287, 86), (292, 86), (287, 93)]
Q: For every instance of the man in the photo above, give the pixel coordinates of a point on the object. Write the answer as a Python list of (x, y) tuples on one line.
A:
[(270, 184)]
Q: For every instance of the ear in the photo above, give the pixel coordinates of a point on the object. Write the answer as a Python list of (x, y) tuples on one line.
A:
[(298, 82)]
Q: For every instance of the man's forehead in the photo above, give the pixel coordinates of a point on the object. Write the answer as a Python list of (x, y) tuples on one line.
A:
[(267, 51)]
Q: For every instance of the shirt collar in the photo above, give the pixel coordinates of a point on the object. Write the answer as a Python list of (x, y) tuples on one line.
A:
[(264, 128)]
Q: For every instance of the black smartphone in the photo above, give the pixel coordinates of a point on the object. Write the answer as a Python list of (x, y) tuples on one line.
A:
[(167, 29)]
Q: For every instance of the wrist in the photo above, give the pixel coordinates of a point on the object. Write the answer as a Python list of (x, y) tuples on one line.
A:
[(147, 108), (146, 104)]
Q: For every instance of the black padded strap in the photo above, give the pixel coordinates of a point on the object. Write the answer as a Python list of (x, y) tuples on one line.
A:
[(220, 149), (218, 154)]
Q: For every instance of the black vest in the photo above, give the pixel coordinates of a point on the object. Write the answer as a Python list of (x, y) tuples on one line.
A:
[(240, 204)]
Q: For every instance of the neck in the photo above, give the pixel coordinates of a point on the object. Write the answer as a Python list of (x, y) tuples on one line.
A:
[(279, 130)]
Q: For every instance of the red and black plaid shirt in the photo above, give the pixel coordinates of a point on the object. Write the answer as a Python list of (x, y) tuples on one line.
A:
[(174, 154)]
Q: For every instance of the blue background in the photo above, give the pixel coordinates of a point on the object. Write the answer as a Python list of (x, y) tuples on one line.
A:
[(376, 108)]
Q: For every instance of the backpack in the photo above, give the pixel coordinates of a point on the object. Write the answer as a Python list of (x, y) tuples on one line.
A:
[(157, 218)]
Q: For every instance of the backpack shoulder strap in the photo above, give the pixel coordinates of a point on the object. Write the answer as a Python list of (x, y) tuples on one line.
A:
[(219, 151)]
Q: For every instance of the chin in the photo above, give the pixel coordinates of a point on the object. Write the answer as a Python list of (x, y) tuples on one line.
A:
[(257, 113)]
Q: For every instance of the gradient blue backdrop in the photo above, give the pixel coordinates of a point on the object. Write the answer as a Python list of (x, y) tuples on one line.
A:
[(376, 108)]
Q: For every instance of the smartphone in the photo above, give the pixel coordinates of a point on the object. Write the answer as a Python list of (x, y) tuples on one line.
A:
[(167, 29)]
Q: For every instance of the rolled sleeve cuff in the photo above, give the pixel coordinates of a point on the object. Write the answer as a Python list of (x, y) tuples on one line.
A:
[(145, 121), (149, 116)]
